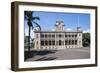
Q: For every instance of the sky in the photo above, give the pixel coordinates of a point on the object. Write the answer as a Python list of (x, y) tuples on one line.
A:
[(71, 20)]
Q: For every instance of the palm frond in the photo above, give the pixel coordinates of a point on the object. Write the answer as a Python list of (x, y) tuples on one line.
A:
[(37, 25), (25, 17), (35, 18), (28, 14)]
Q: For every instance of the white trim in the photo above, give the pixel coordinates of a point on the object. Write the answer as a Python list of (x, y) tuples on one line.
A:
[(23, 64)]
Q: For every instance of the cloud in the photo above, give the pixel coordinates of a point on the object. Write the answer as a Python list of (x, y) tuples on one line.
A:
[(52, 29), (68, 29), (86, 31)]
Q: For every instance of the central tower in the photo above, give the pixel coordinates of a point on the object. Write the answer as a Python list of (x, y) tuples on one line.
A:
[(59, 25)]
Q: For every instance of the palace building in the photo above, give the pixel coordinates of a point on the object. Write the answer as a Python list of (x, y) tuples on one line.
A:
[(58, 39)]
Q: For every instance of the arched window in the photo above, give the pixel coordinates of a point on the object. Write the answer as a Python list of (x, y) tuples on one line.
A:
[(79, 34), (69, 42), (60, 35), (45, 35), (59, 42), (53, 36), (75, 42), (49, 42), (42, 35), (66, 35), (53, 42), (72, 42), (46, 42), (75, 35), (49, 35), (42, 43), (72, 35), (69, 35), (66, 42)]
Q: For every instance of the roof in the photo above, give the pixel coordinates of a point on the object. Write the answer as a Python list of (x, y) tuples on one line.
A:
[(58, 31)]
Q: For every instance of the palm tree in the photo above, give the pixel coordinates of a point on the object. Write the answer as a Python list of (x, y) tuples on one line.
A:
[(30, 21)]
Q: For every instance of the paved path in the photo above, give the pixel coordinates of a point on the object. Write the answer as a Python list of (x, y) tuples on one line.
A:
[(65, 54)]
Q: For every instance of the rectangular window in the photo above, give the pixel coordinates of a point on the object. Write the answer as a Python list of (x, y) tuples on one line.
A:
[(42, 43)]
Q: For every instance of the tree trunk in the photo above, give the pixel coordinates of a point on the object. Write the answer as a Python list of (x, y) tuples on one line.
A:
[(29, 40)]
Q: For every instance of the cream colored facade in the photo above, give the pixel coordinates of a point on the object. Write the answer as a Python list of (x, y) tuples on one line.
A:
[(58, 39)]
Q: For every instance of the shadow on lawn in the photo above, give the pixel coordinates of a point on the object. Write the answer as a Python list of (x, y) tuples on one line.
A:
[(40, 53)]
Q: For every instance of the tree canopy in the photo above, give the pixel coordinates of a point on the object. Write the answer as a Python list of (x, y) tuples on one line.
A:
[(86, 39)]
